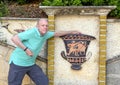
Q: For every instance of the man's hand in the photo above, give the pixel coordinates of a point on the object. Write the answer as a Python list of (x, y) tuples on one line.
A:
[(75, 32), (62, 33), (29, 52)]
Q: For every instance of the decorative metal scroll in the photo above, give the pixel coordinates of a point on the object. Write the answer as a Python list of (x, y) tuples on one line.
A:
[(76, 47)]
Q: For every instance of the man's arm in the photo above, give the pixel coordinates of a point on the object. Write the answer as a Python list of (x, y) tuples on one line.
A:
[(18, 42), (62, 33)]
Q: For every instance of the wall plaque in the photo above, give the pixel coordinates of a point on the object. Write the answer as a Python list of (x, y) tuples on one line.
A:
[(76, 47)]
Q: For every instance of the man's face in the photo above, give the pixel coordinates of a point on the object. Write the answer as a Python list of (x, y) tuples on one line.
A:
[(43, 26)]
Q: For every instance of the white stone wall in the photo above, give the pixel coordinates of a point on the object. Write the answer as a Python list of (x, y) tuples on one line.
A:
[(88, 75), (113, 38), (113, 53), (6, 50), (22, 24), (64, 75), (15, 24)]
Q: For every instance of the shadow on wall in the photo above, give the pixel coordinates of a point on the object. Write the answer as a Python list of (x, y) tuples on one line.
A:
[(113, 73)]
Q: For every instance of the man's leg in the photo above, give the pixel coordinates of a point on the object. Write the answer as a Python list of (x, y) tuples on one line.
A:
[(15, 75), (37, 75)]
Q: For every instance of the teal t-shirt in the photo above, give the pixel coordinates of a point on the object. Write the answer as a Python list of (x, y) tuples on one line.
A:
[(34, 41)]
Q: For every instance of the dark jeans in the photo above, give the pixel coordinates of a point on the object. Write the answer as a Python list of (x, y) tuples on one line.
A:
[(17, 73)]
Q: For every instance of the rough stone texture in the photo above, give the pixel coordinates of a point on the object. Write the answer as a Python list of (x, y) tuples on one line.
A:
[(113, 54), (24, 11), (113, 73), (62, 22), (113, 35), (88, 75), (6, 49), (113, 67)]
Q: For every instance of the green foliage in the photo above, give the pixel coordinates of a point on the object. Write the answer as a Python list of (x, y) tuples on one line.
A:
[(3, 9), (115, 12), (92, 2), (98, 2), (46, 3), (73, 2), (21, 1), (61, 3), (57, 3)]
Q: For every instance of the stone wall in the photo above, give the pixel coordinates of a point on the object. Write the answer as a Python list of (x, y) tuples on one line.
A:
[(62, 73), (72, 18), (113, 52), (7, 30), (113, 35)]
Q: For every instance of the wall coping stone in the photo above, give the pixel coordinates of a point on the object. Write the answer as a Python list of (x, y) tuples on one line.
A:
[(80, 7), (17, 18), (113, 20), (80, 10)]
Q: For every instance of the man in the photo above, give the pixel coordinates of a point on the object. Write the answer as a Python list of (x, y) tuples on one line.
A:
[(29, 44)]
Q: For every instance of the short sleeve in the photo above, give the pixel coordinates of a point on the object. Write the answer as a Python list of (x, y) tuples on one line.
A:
[(49, 34), (25, 35)]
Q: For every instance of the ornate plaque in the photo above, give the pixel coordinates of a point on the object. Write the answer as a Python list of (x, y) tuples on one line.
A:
[(76, 47)]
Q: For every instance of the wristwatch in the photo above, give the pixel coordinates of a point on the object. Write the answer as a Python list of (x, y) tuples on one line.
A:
[(25, 48)]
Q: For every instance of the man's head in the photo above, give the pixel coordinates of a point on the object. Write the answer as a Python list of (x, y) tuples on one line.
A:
[(42, 25)]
